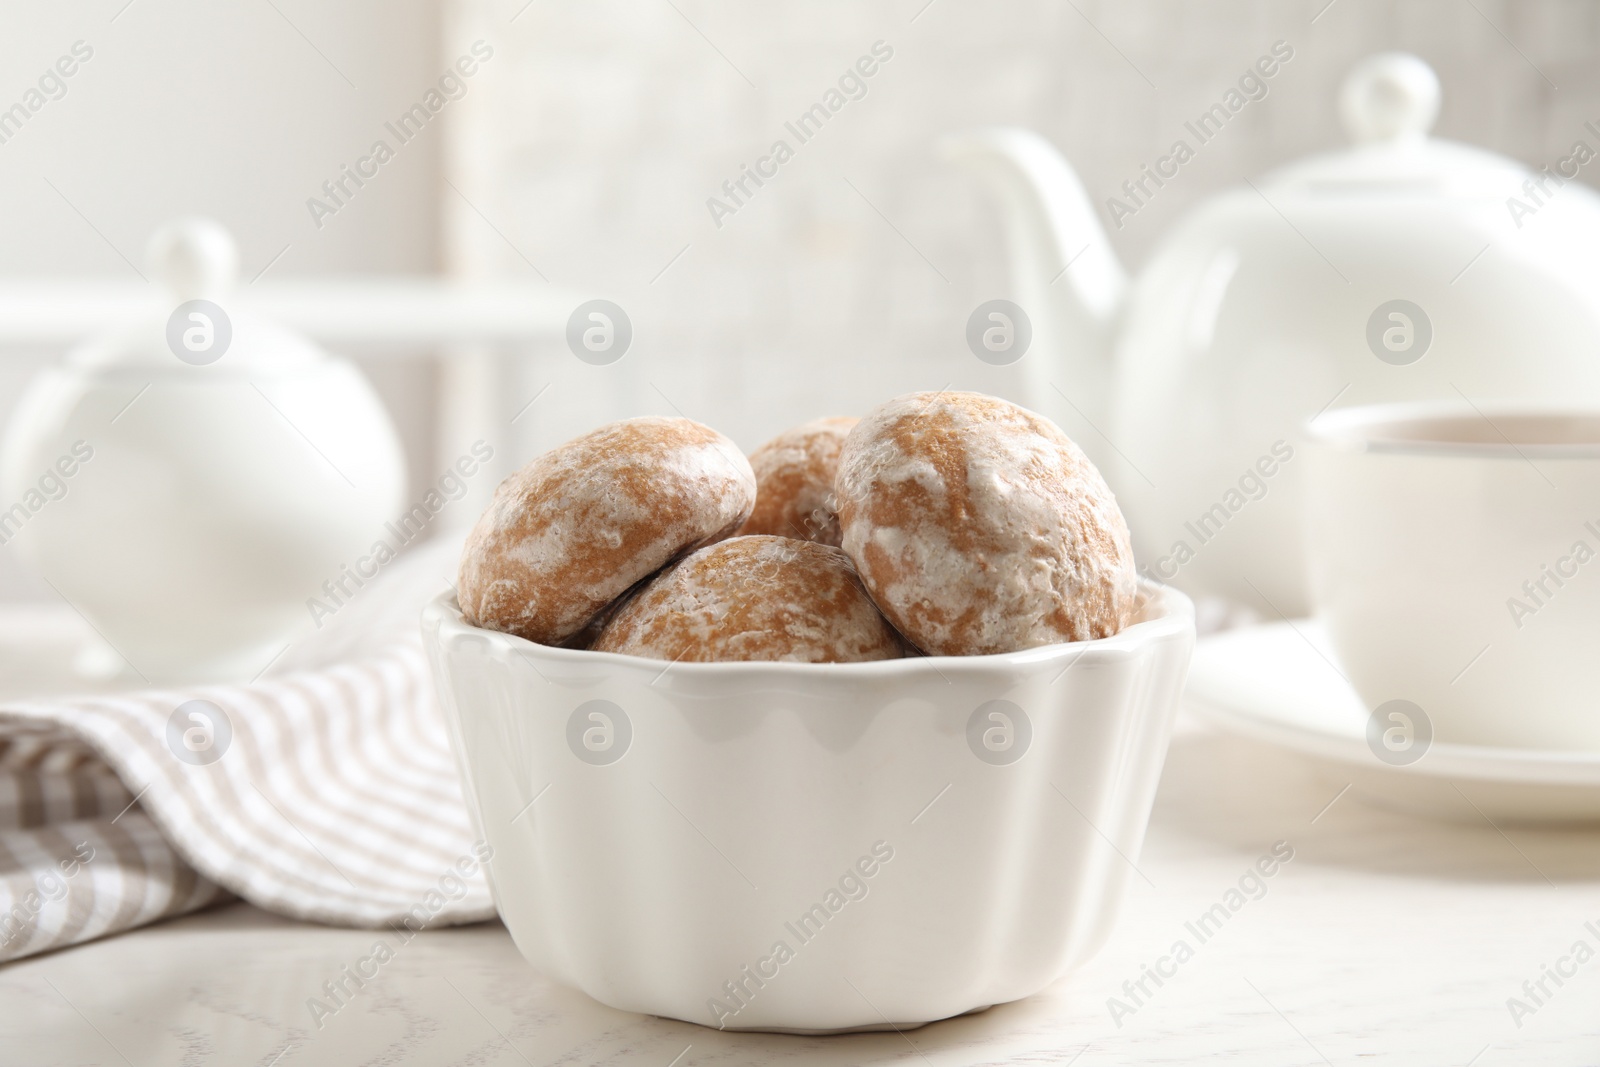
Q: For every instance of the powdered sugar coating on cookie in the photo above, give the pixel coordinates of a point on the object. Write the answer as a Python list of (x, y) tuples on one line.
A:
[(979, 527), (754, 598), (574, 529), (794, 482)]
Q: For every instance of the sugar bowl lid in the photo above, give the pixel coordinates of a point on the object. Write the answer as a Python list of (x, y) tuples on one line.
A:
[(196, 317)]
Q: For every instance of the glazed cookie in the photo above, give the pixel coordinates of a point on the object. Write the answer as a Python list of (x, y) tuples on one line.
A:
[(794, 482), (754, 598), (979, 527), (573, 530)]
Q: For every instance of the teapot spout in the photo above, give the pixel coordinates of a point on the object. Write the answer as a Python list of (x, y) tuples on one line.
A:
[(1064, 272)]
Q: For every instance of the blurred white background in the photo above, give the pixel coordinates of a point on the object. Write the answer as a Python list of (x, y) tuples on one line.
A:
[(584, 152)]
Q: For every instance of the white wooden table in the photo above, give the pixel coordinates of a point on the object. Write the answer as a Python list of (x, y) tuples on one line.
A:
[(1386, 940)]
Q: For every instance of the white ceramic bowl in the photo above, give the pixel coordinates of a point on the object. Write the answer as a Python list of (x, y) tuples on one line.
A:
[(806, 847)]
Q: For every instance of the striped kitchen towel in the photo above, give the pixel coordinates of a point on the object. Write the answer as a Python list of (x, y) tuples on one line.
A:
[(325, 790)]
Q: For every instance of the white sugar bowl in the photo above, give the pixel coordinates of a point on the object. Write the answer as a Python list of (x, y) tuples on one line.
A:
[(190, 479)]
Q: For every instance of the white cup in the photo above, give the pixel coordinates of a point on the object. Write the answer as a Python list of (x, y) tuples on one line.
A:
[(1455, 561)]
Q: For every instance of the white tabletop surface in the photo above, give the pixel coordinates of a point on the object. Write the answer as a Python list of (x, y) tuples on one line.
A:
[(1386, 940)]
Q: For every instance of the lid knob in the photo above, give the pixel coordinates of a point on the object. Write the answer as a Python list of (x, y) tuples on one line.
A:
[(195, 258), (1389, 97)]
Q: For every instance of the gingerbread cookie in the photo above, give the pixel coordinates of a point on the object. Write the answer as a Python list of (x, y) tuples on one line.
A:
[(574, 529), (794, 482), (754, 598), (979, 527)]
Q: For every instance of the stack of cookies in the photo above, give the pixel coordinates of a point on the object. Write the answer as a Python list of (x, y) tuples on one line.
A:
[(947, 524)]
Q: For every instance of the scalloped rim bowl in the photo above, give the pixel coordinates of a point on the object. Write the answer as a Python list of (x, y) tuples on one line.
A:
[(811, 847)]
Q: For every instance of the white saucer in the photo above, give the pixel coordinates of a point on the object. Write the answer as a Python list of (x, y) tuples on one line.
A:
[(1277, 683)]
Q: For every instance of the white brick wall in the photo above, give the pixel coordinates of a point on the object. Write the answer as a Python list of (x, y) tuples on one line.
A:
[(610, 123)]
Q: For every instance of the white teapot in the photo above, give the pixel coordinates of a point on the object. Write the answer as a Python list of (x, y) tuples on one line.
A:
[(191, 479), (1406, 267)]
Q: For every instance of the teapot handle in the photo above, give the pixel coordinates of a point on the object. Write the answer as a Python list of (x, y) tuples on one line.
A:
[(1393, 96)]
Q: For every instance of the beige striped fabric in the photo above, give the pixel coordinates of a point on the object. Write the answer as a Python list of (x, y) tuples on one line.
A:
[(327, 792)]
